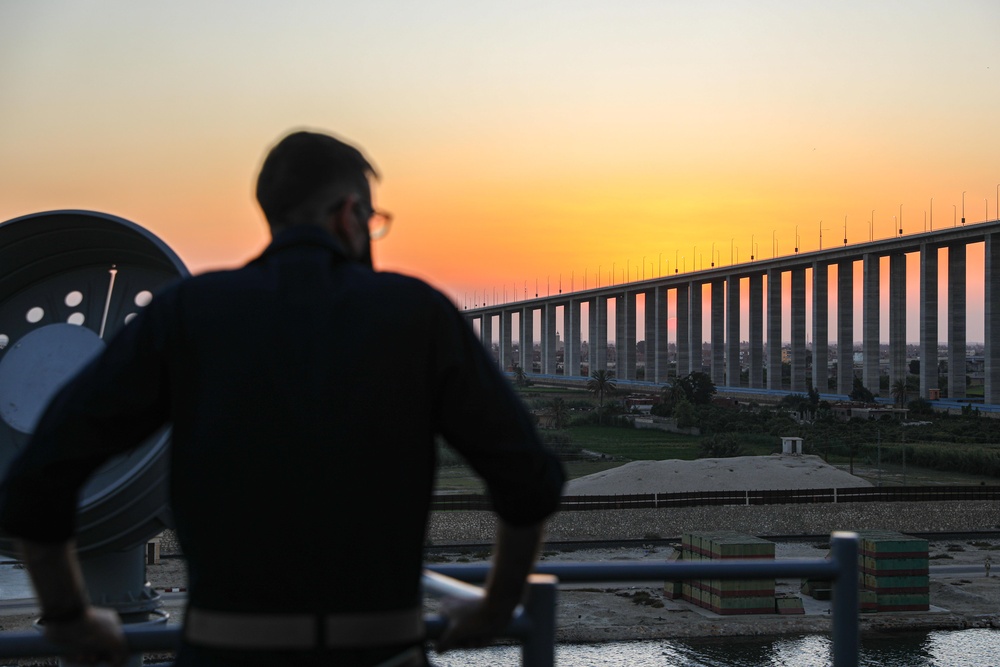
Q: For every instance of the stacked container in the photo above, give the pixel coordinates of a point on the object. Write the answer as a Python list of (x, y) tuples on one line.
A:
[(727, 596), (894, 572)]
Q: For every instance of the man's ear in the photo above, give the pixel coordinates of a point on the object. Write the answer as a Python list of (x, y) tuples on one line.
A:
[(341, 222)]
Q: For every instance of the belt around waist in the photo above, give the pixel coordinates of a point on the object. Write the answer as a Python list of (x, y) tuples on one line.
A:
[(239, 630)]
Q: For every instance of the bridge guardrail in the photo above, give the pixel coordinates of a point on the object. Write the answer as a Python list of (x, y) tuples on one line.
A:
[(862, 494)]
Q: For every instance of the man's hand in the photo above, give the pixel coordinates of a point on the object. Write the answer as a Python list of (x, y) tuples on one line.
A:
[(471, 623), (95, 637), (474, 623)]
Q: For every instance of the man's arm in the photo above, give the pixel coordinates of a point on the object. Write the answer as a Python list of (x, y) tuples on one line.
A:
[(475, 622), (89, 634)]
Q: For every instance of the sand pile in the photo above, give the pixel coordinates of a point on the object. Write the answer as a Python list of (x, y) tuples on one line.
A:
[(739, 473)]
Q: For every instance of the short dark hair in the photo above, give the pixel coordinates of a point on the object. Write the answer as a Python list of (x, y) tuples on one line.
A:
[(303, 163)]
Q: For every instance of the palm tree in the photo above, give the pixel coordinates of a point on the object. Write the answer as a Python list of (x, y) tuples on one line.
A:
[(899, 392), (559, 413), (601, 382), (520, 377)]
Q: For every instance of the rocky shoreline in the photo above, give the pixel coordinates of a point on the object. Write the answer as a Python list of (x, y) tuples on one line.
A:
[(625, 612), (767, 520)]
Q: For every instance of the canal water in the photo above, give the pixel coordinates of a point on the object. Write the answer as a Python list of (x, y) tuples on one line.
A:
[(964, 648)]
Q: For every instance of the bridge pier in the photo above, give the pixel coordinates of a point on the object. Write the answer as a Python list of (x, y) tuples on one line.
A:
[(845, 326), (821, 326), (756, 330), (732, 378), (870, 321), (774, 328), (799, 330)]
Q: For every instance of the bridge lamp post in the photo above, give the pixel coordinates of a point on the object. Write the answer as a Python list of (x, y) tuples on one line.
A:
[(963, 207), (675, 260), (796, 239), (751, 247), (845, 230), (900, 219), (713, 254)]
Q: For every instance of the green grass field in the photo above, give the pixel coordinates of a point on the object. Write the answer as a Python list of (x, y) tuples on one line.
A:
[(635, 444)]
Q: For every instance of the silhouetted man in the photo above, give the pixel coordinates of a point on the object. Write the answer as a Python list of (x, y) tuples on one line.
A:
[(305, 391)]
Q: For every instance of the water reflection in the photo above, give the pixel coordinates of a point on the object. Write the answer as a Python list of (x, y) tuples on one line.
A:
[(965, 648)]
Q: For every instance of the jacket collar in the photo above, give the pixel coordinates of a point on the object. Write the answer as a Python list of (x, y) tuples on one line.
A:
[(305, 235)]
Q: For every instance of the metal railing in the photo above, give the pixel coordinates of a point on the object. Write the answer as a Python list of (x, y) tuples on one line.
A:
[(534, 624)]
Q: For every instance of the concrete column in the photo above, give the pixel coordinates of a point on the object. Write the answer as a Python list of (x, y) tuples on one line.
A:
[(599, 316), (799, 330), (683, 332), (694, 327), (870, 331), (733, 331), (897, 319), (956, 320), (527, 343), (625, 335), (591, 359), (549, 339), (571, 340), (991, 323), (774, 329), (657, 339), (820, 325), (756, 330), (929, 378), (506, 340), (845, 327), (486, 333), (718, 319)]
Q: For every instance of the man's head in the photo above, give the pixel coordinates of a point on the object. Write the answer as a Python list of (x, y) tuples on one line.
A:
[(315, 179)]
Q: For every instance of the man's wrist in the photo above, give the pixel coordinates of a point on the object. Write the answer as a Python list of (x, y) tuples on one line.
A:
[(66, 615)]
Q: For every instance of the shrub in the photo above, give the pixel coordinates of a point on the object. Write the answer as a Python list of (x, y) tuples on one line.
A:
[(721, 445)]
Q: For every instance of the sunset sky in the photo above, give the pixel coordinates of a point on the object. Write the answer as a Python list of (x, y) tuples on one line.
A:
[(518, 141)]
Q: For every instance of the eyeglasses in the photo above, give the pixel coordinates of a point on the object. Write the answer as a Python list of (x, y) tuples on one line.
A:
[(378, 222)]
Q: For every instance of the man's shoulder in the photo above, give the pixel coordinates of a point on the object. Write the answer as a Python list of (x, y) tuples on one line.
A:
[(219, 279)]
